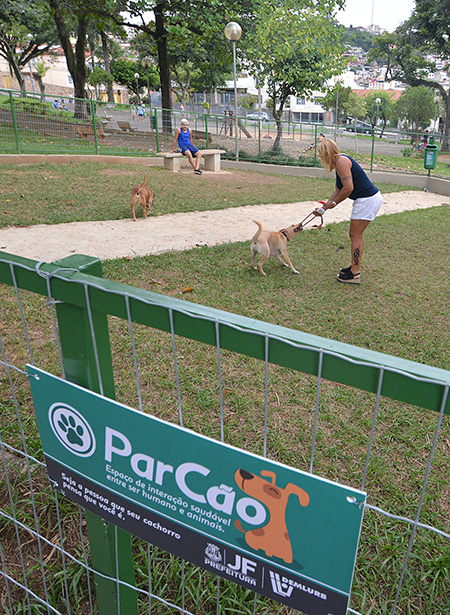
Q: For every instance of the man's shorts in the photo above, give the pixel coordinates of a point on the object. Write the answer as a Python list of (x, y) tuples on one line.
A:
[(366, 208), (191, 148)]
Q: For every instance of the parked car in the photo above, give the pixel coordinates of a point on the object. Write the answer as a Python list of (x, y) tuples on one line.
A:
[(255, 116), (360, 127)]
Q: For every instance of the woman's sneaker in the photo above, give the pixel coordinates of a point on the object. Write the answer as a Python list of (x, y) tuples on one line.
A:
[(348, 277)]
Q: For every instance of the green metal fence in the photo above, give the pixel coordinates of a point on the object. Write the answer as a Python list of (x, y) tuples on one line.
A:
[(32, 125), (135, 345)]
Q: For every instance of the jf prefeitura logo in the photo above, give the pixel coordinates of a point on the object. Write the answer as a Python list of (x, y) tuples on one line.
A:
[(72, 429)]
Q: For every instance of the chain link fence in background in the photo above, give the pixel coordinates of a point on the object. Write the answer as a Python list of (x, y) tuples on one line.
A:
[(32, 125)]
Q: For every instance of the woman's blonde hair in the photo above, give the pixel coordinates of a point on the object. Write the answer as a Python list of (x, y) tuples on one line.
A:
[(328, 152)]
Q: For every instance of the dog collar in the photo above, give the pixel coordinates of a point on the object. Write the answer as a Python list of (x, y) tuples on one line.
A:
[(283, 232)]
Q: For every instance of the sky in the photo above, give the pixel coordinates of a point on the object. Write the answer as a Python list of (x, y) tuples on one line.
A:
[(388, 14)]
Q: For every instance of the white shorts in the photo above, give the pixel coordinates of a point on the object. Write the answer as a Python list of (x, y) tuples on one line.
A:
[(366, 208)]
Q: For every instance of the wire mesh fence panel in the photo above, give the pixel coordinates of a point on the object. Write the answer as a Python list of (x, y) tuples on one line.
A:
[(39, 124), (364, 420)]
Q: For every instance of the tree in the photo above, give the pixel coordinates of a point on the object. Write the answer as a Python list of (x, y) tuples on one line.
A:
[(195, 64), (41, 68), (99, 76), (174, 21), (355, 107), (416, 108), (123, 72), (295, 50), (336, 99), (357, 38), (407, 51), (72, 17), (379, 111), (26, 32)]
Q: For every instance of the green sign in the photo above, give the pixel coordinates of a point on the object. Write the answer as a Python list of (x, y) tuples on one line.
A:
[(284, 533)]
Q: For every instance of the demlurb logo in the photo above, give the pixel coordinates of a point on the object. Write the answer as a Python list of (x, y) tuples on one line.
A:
[(72, 429)]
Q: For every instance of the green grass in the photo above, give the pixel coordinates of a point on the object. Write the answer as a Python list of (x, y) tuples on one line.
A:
[(401, 308), (54, 193)]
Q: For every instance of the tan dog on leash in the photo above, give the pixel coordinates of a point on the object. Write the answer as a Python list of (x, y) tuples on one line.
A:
[(143, 195), (273, 243)]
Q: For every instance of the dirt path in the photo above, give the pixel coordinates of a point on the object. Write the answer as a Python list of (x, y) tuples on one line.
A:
[(181, 231)]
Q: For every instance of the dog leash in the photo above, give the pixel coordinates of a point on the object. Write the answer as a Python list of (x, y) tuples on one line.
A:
[(309, 218)]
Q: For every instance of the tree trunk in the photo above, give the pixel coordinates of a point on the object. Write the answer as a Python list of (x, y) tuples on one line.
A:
[(278, 114), (92, 52), (76, 63), (107, 64), (164, 70), (41, 87), (15, 71)]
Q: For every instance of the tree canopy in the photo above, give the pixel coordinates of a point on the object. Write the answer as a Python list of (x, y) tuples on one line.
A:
[(295, 51), (408, 52), (26, 32)]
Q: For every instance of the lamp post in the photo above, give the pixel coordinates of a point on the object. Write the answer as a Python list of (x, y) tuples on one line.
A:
[(233, 33), (136, 76), (378, 101), (146, 63)]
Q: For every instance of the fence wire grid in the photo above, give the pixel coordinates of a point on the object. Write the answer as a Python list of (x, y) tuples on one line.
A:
[(30, 124), (272, 391)]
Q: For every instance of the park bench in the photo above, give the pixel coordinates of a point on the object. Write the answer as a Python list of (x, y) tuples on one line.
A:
[(86, 130), (126, 127), (172, 160)]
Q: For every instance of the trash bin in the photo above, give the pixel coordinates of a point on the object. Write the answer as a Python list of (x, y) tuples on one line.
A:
[(431, 155)]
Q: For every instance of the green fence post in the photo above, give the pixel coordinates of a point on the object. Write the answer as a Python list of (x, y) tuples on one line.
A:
[(13, 115), (373, 147), (95, 125), (259, 139), (315, 145), (156, 130), (206, 130), (110, 546)]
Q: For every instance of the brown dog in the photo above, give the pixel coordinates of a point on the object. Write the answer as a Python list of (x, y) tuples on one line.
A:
[(273, 538), (273, 243), (144, 196)]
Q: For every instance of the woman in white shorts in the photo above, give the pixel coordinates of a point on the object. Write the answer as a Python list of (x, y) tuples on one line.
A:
[(353, 183)]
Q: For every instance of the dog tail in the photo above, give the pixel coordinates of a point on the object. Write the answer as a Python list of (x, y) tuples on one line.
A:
[(258, 232)]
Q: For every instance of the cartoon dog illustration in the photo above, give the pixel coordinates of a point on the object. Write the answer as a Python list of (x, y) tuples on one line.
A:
[(273, 538)]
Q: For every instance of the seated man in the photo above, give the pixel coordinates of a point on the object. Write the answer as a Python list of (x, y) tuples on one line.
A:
[(56, 105), (184, 138)]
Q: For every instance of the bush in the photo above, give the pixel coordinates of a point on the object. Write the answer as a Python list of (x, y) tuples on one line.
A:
[(272, 156)]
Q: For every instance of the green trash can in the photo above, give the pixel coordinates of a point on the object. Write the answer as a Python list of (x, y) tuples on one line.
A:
[(431, 155)]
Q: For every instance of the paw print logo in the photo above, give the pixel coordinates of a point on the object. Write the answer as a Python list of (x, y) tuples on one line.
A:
[(72, 429)]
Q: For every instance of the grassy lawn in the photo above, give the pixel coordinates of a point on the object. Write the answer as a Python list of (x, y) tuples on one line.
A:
[(401, 308), (54, 193)]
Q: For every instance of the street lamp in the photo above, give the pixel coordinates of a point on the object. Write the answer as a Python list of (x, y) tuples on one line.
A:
[(378, 101), (233, 33), (146, 63), (136, 76)]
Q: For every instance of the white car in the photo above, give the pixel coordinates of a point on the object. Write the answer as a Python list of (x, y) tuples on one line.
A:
[(255, 116)]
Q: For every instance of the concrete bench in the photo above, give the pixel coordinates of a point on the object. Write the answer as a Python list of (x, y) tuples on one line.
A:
[(126, 127), (172, 160), (86, 130)]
